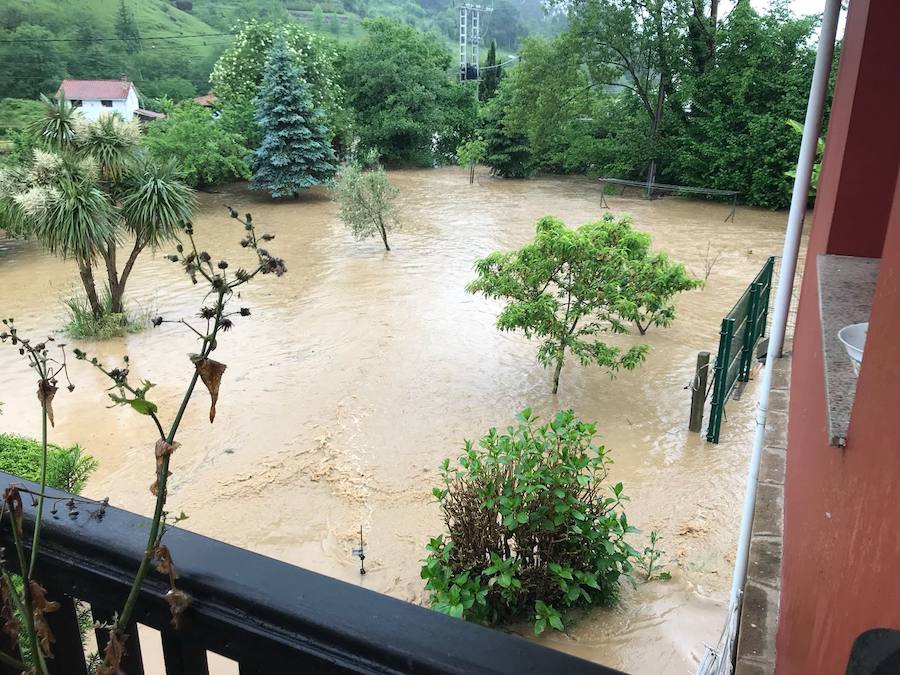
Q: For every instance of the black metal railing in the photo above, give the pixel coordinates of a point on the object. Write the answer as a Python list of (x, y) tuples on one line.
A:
[(267, 615)]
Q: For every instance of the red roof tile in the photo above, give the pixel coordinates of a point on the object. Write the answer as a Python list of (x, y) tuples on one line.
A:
[(113, 90)]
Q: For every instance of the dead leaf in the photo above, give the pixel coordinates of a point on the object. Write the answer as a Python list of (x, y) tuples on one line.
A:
[(112, 655), (40, 606), (14, 502), (178, 601), (45, 393), (211, 374), (164, 565), (162, 449)]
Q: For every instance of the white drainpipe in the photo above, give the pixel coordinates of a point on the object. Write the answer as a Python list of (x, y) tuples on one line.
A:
[(805, 161)]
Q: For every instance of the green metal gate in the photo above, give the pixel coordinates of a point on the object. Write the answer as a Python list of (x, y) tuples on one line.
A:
[(742, 328)]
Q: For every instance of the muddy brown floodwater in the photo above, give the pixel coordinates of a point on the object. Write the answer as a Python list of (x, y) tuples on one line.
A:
[(361, 370)]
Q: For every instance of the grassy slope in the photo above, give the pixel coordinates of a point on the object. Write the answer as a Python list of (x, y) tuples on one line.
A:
[(154, 17)]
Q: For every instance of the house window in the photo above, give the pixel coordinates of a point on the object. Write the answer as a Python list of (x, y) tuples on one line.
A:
[(76, 102), (106, 103)]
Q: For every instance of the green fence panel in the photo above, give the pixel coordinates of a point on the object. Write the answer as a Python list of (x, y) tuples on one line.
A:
[(741, 330)]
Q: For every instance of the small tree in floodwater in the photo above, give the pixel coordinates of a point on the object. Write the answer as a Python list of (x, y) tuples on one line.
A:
[(295, 153), (566, 288), (531, 526), (470, 154), (653, 284), (367, 199)]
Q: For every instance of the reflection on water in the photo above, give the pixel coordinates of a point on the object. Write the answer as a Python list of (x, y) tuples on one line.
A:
[(361, 369)]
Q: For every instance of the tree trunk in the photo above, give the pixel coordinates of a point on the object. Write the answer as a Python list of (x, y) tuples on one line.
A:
[(559, 365), (112, 278), (383, 232), (118, 296), (641, 329), (471, 174), (87, 279), (654, 132)]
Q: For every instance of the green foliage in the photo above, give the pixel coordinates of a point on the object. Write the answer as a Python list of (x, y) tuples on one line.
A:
[(652, 284), (797, 128), (205, 149), (81, 323), (398, 83), (238, 74), (491, 75), (67, 468), (735, 135), (295, 153), (18, 114), (367, 200), (127, 28), (506, 152), (471, 152), (566, 288), (648, 560), (532, 528)]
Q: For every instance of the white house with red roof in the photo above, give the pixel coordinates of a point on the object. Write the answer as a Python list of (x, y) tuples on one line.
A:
[(93, 98)]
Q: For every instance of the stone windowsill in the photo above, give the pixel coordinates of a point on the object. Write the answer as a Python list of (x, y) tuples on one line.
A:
[(846, 289)]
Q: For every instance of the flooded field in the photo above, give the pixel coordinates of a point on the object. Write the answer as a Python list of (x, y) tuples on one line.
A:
[(360, 370)]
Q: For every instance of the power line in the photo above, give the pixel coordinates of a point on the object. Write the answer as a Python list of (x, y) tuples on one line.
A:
[(117, 39)]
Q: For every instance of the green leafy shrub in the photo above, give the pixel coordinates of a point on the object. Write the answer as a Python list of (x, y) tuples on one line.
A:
[(205, 150), (532, 526), (67, 468)]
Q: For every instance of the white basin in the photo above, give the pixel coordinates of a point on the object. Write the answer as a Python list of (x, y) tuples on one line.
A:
[(853, 337)]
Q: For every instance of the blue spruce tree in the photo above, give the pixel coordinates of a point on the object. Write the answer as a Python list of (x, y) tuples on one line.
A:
[(295, 152)]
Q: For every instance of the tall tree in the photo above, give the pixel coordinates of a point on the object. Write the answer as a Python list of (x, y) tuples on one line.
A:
[(639, 47), (127, 28), (397, 81), (295, 152), (566, 288), (506, 152), (238, 73), (491, 73)]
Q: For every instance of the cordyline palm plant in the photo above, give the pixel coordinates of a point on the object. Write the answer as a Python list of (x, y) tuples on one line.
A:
[(91, 189)]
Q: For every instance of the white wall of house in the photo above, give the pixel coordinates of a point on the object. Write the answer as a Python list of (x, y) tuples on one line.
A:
[(93, 109)]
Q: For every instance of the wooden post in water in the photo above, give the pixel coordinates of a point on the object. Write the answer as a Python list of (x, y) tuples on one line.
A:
[(698, 393)]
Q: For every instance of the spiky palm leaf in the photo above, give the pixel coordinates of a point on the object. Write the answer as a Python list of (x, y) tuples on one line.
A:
[(56, 128), (156, 201), (72, 217), (111, 142)]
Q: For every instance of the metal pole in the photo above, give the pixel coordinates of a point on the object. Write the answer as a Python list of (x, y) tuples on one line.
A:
[(805, 160), (824, 54), (698, 395)]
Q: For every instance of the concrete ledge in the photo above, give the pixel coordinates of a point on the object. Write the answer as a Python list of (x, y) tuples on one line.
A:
[(759, 611)]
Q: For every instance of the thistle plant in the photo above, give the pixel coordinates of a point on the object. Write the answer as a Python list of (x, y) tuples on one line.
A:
[(23, 607), (216, 315)]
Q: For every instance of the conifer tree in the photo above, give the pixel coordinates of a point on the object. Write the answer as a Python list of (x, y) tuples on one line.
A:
[(295, 152), (490, 75)]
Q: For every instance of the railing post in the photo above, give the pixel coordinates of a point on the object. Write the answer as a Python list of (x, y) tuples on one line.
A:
[(749, 341), (698, 393), (770, 272), (719, 389)]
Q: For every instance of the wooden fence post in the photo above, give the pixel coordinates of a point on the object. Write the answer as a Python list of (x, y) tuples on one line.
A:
[(698, 395)]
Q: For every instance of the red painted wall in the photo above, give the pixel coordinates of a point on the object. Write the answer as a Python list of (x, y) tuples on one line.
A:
[(841, 557)]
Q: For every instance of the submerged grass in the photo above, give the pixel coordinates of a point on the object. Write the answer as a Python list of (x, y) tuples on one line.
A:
[(82, 324)]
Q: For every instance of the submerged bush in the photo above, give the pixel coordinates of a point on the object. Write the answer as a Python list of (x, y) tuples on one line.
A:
[(533, 528), (67, 468), (82, 324)]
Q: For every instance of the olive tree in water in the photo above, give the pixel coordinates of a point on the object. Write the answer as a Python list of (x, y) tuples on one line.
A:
[(367, 200), (566, 288)]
